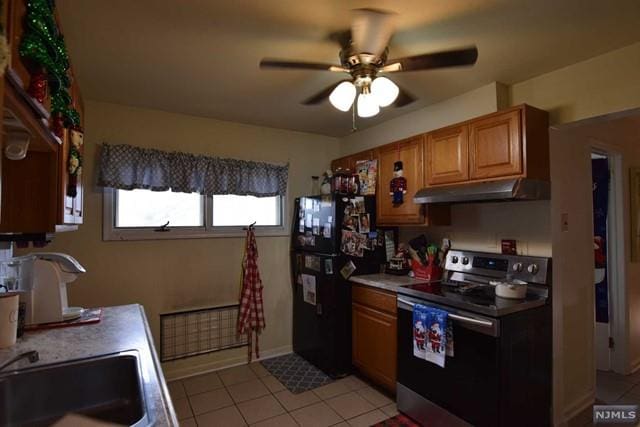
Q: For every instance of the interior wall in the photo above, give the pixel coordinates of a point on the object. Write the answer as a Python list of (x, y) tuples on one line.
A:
[(167, 275), (600, 85), (482, 226)]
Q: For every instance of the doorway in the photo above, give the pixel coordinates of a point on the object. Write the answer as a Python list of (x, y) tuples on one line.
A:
[(602, 207)]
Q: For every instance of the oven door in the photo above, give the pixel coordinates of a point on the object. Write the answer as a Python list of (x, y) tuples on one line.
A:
[(466, 390)]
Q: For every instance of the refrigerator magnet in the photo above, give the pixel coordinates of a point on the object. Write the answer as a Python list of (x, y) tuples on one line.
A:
[(308, 204), (316, 226), (329, 218), (348, 269), (326, 230), (312, 262), (308, 220), (301, 226), (328, 266), (309, 289)]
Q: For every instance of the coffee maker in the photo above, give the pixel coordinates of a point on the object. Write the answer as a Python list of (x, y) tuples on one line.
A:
[(46, 301)]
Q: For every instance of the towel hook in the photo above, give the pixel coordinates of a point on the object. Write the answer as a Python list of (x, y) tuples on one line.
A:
[(250, 227)]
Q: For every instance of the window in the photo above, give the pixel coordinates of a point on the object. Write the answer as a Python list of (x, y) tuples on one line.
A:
[(140, 215)]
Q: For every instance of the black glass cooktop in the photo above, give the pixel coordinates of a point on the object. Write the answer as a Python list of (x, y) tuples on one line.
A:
[(477, 298)]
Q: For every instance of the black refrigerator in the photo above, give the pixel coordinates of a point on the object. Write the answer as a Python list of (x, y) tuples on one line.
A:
[(333, 237)]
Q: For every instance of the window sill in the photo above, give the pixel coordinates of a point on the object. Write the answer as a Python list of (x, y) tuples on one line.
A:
[(175, 234)]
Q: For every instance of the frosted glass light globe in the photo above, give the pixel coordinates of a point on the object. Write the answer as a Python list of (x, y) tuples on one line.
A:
[(343, 95), (385, 91), (367, 105)]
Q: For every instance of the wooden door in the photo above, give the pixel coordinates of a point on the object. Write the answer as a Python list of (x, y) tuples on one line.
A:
[(495, 146), (409, 152), (374, 344), (446, 156)]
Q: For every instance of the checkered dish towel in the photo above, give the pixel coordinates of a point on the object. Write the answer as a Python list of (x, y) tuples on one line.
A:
[(251, 314)]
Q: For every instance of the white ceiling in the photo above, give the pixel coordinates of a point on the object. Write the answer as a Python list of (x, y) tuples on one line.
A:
[(201, 57)]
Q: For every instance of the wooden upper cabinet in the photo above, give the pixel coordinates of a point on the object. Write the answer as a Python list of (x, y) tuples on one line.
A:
[(495, 146), (349, 162), (409, 151), (446, 155)]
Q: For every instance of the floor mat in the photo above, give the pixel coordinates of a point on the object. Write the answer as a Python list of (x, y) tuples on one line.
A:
[(296, 373), (398, 421)]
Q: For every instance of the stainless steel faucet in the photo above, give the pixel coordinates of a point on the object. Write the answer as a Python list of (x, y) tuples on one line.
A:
[(33, 357)]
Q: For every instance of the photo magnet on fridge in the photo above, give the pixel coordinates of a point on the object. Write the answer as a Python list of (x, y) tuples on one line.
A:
[(348, 269), (328, 266), (316, 226), (301, 226), (326, 230), (364, 223)]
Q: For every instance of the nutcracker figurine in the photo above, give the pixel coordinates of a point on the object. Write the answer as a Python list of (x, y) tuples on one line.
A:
[(398, 185)]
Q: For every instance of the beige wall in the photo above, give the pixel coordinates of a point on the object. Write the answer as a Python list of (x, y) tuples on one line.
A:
[(600, 85), (482, 226), (173, 274)]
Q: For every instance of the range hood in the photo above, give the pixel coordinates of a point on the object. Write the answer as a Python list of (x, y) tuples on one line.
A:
[(503, 190)]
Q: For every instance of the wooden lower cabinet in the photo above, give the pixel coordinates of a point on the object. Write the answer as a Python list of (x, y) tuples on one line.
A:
[(374, 340)]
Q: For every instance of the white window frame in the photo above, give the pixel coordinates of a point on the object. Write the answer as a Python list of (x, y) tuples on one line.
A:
[(111, 232)]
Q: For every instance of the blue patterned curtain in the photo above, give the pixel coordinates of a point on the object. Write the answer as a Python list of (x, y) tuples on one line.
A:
[(127, 167)]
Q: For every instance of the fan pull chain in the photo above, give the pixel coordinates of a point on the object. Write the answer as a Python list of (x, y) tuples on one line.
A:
[(354, 128)]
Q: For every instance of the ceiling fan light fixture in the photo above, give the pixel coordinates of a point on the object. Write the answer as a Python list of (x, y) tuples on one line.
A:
[(343, 95), (367, 104), (385, 91)]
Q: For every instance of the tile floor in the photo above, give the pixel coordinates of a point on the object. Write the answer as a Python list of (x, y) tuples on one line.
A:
[(249, 395), (611, 389)]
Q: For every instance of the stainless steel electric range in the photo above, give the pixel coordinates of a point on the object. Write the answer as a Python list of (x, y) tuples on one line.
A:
[(500, 373)]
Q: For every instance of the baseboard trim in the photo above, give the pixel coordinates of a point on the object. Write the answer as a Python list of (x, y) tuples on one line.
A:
[(203, 368), (578, 406), (635, 365)]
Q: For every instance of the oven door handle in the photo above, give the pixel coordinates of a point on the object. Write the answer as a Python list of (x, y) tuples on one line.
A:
[(455, 316)]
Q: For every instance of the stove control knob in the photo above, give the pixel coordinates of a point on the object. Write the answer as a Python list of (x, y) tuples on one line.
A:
[(517, 267), (533, 268), (454, 259), (465, 261)]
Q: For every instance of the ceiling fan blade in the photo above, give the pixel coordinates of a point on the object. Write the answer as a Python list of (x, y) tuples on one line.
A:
[(322, 95), (343, 38), (371, 30), (300, 65), (404, 98), (430, 61)]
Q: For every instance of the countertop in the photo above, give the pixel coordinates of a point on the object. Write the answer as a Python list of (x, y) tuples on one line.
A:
[(388, 282), (122, 328)]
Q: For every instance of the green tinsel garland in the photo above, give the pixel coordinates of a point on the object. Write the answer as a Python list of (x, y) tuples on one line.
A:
[(43, 44)]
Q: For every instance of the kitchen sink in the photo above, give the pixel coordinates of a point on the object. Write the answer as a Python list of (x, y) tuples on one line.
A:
[(108, 388)]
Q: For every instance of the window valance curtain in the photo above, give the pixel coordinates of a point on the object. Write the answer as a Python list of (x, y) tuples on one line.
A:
[(127, 167)]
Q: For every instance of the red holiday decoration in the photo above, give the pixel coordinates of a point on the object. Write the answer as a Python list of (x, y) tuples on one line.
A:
[(398, 185), (38, 85)]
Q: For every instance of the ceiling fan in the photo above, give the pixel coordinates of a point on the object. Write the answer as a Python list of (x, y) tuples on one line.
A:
[(364, 56)]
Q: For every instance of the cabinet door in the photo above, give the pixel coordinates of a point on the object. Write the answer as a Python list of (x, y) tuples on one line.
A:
[(410, 153), (495, 146), (341, 163), (374, 344), (446, 156)]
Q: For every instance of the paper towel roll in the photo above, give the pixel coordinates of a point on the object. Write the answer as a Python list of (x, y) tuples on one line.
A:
[(8, 319)]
